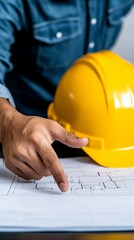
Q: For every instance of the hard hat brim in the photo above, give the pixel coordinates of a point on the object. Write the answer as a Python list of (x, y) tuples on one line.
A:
[(112, 158)]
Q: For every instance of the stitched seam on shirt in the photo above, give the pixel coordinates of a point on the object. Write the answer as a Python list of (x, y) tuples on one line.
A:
[(43, 24), (56, 41)]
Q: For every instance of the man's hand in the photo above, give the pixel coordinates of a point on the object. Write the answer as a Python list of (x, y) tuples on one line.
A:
[(27, 146)]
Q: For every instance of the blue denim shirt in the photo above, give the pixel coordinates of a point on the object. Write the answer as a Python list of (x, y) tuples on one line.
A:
[(40, 40)]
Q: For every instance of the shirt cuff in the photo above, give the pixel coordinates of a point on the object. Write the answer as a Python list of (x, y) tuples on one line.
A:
[(4, 93)]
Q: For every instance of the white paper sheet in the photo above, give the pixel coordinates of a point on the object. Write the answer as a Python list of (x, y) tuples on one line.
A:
[(98, 199)]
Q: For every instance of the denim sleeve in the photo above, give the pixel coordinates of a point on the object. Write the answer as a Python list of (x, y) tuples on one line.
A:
[(11, 20)]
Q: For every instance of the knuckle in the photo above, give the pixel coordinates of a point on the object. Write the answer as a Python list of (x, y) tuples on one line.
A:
[(34, 138), (46, 173), (67, 136), (49, 164), (55, 124), (50, 161), (54, 127), (32, 177), (51, 122), (19, 150), (38, 177), (25, 177)]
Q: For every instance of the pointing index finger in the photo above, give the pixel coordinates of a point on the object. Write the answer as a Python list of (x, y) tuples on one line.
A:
[(53, 164)]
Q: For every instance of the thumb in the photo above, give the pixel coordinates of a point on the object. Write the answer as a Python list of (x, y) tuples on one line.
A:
[(62, 135), (72, 140)]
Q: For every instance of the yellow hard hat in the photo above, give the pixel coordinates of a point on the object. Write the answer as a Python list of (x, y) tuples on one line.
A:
[(95, 99)]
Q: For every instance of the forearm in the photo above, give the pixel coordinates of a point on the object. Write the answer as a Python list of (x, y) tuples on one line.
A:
[(6, 115), (11, 21)]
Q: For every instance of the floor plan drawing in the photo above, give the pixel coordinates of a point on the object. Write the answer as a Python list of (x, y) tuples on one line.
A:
[(98, 199), (88, 179)]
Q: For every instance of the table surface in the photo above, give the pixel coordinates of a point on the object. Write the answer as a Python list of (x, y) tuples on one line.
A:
[(67, 236)]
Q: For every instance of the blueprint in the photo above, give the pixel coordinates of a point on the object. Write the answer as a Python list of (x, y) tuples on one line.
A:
[(84, 179), (98, 199)]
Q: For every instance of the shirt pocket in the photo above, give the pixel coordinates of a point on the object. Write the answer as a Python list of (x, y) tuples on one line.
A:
[(117, 10), (55, 40)]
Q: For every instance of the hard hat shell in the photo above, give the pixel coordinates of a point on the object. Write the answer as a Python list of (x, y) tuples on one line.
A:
[(95, 99)]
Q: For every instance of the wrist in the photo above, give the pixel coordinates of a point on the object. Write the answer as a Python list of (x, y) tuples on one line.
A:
[(6, 115)]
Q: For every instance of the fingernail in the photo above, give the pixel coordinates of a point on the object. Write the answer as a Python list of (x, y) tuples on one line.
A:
[(63, 187), (85, 141)]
